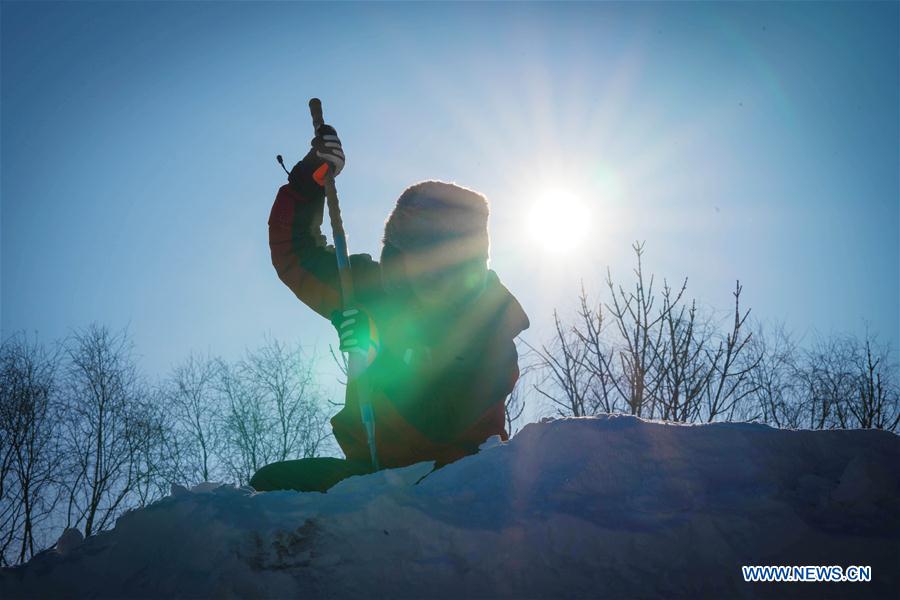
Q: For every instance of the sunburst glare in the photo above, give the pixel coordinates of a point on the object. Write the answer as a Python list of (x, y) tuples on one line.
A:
[(559, 221)]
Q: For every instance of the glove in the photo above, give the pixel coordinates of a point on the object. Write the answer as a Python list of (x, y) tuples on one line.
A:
[(326, 153), (357, 332)]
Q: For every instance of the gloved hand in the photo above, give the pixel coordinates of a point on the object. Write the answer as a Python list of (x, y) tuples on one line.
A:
[(357, 332), (326, 153)]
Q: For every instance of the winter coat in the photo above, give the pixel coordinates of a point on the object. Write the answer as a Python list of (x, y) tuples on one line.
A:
[(439, 383)]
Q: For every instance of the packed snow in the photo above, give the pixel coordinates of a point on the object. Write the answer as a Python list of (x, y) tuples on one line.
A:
[(571, 508)]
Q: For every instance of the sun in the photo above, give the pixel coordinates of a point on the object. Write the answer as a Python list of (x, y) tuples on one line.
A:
[(558, 221)]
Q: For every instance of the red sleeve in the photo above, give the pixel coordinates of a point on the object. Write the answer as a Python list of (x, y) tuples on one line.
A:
[(299, 253), (302, 259)]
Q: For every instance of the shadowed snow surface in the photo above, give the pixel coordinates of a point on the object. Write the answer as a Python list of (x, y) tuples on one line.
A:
[(575, 508)]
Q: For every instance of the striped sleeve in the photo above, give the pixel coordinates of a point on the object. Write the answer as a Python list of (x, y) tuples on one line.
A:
[(300, 255)]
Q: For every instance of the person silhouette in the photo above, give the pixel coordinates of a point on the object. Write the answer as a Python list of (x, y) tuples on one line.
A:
[(435, 324)]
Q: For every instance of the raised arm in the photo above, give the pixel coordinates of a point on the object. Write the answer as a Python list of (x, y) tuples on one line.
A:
[(300, 255)]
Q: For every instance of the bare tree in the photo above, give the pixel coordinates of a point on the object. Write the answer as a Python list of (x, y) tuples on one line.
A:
[(876, 403), (657, 360), (190, 394), (604, 392), (725, 389), (10, 507), (154, 461), (29, 448), (272, 409), (828, 378), (680, 364), (638, 326), (685, 372), (774, 385), (566, 381), (285, 381), (244, 424), (848, 383), (104, 405), (626, 368)]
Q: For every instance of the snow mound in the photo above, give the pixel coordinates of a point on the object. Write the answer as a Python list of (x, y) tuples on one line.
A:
[(576, 508)]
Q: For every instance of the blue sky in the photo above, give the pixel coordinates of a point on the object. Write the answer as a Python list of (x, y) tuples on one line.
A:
[(742, 141)]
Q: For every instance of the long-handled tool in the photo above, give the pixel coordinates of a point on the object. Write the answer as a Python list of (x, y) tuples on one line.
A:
[(357, 361)]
